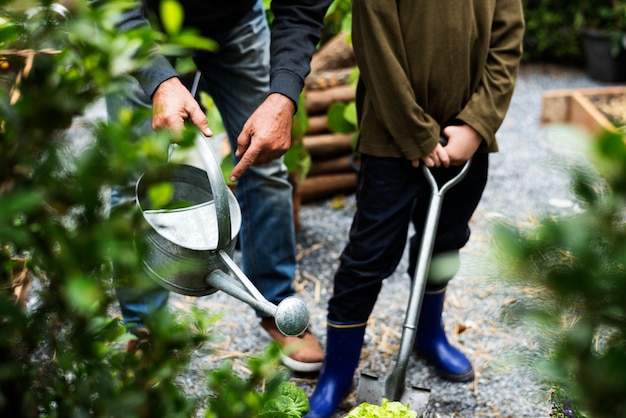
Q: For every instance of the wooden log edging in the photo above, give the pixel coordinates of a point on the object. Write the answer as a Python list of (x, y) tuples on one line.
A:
[(337, 53), (341, 164), (318, 101), (324, 146), (332, 169), (324, 186)]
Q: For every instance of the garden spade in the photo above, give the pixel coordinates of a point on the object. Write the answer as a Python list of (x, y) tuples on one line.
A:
[(371, 389)]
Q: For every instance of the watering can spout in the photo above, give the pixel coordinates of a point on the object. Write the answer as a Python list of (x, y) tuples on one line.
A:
[(291, 314)]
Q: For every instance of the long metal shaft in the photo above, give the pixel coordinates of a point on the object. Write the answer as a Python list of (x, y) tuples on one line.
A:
[(394, 385)]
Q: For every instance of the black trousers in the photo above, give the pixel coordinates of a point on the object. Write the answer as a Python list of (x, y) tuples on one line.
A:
[(391, 194)]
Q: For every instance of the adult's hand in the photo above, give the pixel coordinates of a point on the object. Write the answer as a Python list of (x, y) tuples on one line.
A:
[(266, 135), (463, 142), (173, 104)]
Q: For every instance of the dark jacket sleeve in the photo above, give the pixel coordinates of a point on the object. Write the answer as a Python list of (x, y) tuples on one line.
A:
[(159, 69), (296, 30)]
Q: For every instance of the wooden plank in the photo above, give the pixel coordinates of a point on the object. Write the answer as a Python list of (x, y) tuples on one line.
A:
[(318, 101), (586, 114), (325, 186), (318, 124), (328, 145), (341, 164), (555, 107), (575, 106)]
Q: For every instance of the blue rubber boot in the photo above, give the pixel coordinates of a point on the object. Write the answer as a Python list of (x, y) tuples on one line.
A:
[(343, 350), (432, 344)]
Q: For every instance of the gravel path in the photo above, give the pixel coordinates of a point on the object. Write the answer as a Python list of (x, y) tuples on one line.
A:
[(525, 181)]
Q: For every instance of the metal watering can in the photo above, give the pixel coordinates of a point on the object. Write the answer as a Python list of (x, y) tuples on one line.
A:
[(190, 247)]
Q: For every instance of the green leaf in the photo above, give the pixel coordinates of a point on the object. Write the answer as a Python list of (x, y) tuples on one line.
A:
[(336, 119), (212, 113), (279, 407), (20, 202), (192, 40), (296, 394), (160, 194), (8, 33), (83, 294), (291, 402), (172, 16), (298, 160), (350, 114), (227, 167), (185, 65), (300, 119), (346, 24)]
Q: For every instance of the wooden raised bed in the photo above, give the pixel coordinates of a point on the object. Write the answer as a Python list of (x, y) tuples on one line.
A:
[(593, 109)]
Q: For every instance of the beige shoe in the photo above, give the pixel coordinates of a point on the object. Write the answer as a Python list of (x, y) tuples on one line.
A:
[(301, 354), (142, 344)]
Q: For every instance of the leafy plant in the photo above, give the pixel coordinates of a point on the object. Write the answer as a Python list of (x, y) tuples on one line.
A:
[(342, 117), (574, 266), (338, 19), (64, 356), (550, 34), (64, 353), (297, 158), (602, 15), (387, 409), (237, 397), (562, 406)]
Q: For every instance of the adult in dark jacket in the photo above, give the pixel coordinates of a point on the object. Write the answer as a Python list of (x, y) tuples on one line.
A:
[(255, 77), (427, 68)]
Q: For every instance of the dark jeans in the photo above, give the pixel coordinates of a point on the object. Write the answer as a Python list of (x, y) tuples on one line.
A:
[(391, 194)]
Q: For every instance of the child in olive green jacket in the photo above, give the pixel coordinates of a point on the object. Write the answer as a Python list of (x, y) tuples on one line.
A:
[(428, 69)]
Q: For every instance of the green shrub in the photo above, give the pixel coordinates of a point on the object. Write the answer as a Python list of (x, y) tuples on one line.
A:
[(574, 266), (551, 32), (64, 355)]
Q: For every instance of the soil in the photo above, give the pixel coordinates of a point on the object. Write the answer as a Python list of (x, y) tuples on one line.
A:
[(613, 107)]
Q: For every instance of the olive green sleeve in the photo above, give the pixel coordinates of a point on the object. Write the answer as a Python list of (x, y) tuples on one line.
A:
[(383, 63), (487, 107)]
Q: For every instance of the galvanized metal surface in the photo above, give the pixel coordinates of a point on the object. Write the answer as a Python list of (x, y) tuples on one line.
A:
[(190, 248)]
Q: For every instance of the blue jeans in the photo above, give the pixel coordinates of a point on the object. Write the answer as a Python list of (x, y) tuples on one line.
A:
[(391, 194), (237, 78)]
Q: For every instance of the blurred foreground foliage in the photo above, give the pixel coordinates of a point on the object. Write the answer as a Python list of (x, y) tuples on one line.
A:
[(62, 352), (574, 268)]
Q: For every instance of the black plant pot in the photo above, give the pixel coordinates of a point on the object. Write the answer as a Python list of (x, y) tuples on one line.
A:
[(601, 64)]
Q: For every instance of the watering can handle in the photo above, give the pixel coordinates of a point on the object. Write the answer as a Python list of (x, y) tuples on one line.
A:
[(216, 180), (219, 190)]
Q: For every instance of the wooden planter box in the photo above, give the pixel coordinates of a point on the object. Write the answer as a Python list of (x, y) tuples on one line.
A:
[(593, 109)]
